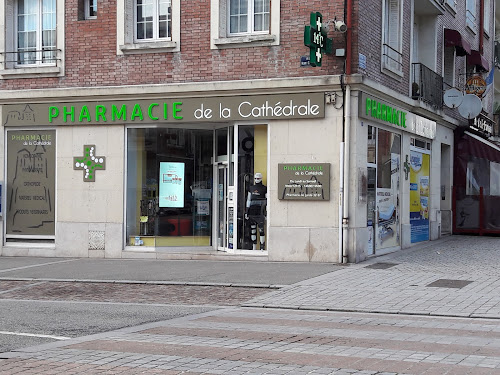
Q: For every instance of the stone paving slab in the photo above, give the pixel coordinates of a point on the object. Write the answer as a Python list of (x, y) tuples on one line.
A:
[(275, 341), (406, 287)]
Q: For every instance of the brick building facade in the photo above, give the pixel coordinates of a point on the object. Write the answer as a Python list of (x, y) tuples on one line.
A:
[(170, 112)]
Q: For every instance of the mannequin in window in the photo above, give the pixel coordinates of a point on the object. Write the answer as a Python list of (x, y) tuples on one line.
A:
[(255, 212)]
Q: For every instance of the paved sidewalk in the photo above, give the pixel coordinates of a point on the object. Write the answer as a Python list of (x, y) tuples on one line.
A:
[(456, 276), (170, 272), (432, 309)]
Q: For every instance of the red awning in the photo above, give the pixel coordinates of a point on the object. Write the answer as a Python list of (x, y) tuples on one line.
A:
[(475, 58), (453, 38)]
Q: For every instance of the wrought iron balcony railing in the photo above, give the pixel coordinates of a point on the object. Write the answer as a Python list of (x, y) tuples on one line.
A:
[(31, 57), (427, 85)]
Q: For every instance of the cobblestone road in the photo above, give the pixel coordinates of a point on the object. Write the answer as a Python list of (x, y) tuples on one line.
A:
[(128, 293)]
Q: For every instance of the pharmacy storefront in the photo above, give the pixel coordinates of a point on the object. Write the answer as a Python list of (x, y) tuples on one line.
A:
[(397, 190), (158, 175)]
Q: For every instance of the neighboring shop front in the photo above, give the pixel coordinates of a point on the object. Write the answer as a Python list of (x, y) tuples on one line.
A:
[(398, 183), (163, 175), (476, 179)]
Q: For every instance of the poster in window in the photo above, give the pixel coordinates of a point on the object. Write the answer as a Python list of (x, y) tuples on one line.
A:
[(31, 163), (171, 185), (419, 196)]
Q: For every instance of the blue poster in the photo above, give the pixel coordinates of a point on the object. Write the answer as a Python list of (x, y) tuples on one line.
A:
[(419, 196), (171, 185)]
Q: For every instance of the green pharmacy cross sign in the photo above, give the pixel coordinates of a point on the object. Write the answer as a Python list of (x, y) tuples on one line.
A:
[(315, 37), (89, 163)]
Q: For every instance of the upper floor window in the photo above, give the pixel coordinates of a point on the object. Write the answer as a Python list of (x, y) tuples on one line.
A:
[(36, 32), (32, 38), (153, 20), (392, 57), (452, 4), (238, 23), (249, 16), (148, 26), (471, 14), (486, 16), (90, 9)]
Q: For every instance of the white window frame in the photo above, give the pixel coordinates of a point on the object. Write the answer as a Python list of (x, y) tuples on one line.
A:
[(8, 43), (250, 19), (487, 17), (219, 28), (126, 42), (154, 22), (471, 14), (392, 65), (39, 31), (452, 4), (87, 4)]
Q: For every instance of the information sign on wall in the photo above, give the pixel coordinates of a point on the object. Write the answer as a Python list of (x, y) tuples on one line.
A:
[(31, 162), (304, 181), (171, 185)]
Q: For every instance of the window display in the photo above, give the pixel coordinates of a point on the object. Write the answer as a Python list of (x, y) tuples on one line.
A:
[(252, 190), (181, 187), (169, 187)]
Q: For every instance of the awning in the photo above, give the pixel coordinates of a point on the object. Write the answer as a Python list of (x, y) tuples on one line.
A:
[(453, 38), (475, 58)]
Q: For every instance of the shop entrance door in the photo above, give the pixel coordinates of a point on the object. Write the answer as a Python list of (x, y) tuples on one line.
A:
[(221, 209), (383, 183)]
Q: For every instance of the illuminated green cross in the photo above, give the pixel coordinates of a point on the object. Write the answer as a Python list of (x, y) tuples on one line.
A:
[(315, 37), (89, 163)]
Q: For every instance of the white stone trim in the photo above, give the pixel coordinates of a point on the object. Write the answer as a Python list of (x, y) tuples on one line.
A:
[(125, 31), (220, 39), (7, 44)]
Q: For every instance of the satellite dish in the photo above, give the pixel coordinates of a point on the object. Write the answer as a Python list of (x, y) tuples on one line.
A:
[(453, 98), (471, 106)]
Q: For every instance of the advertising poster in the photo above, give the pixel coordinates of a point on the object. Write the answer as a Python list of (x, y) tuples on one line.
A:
[(31, 164), (419, 196), (387, 227), (171, 185), (388, 209)]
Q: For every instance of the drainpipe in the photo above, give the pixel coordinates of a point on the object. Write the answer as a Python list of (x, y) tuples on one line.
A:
[(348, 36), (344, 146), (345, 214), (481, 25)]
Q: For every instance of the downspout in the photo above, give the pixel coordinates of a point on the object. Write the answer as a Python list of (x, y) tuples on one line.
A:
[(481, 26), (344, 147)]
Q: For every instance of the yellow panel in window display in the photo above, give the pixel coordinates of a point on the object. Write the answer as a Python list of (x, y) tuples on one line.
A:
[(260, 151)]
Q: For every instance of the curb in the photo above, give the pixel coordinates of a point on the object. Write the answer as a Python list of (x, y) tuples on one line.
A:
[(147, 282)]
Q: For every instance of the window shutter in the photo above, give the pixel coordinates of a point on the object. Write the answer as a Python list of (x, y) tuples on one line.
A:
[(394, 24), (129, 21), (449, 66), (393, 36)]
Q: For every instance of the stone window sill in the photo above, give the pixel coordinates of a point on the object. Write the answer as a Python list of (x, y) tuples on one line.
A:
[(246, 40), (150, 47), (31, 72)]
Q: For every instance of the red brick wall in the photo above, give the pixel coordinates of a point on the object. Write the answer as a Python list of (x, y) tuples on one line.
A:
[(91, 58)]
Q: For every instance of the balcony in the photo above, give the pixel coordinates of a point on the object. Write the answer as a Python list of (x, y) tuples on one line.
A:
[(31, 57), (427, 85)]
